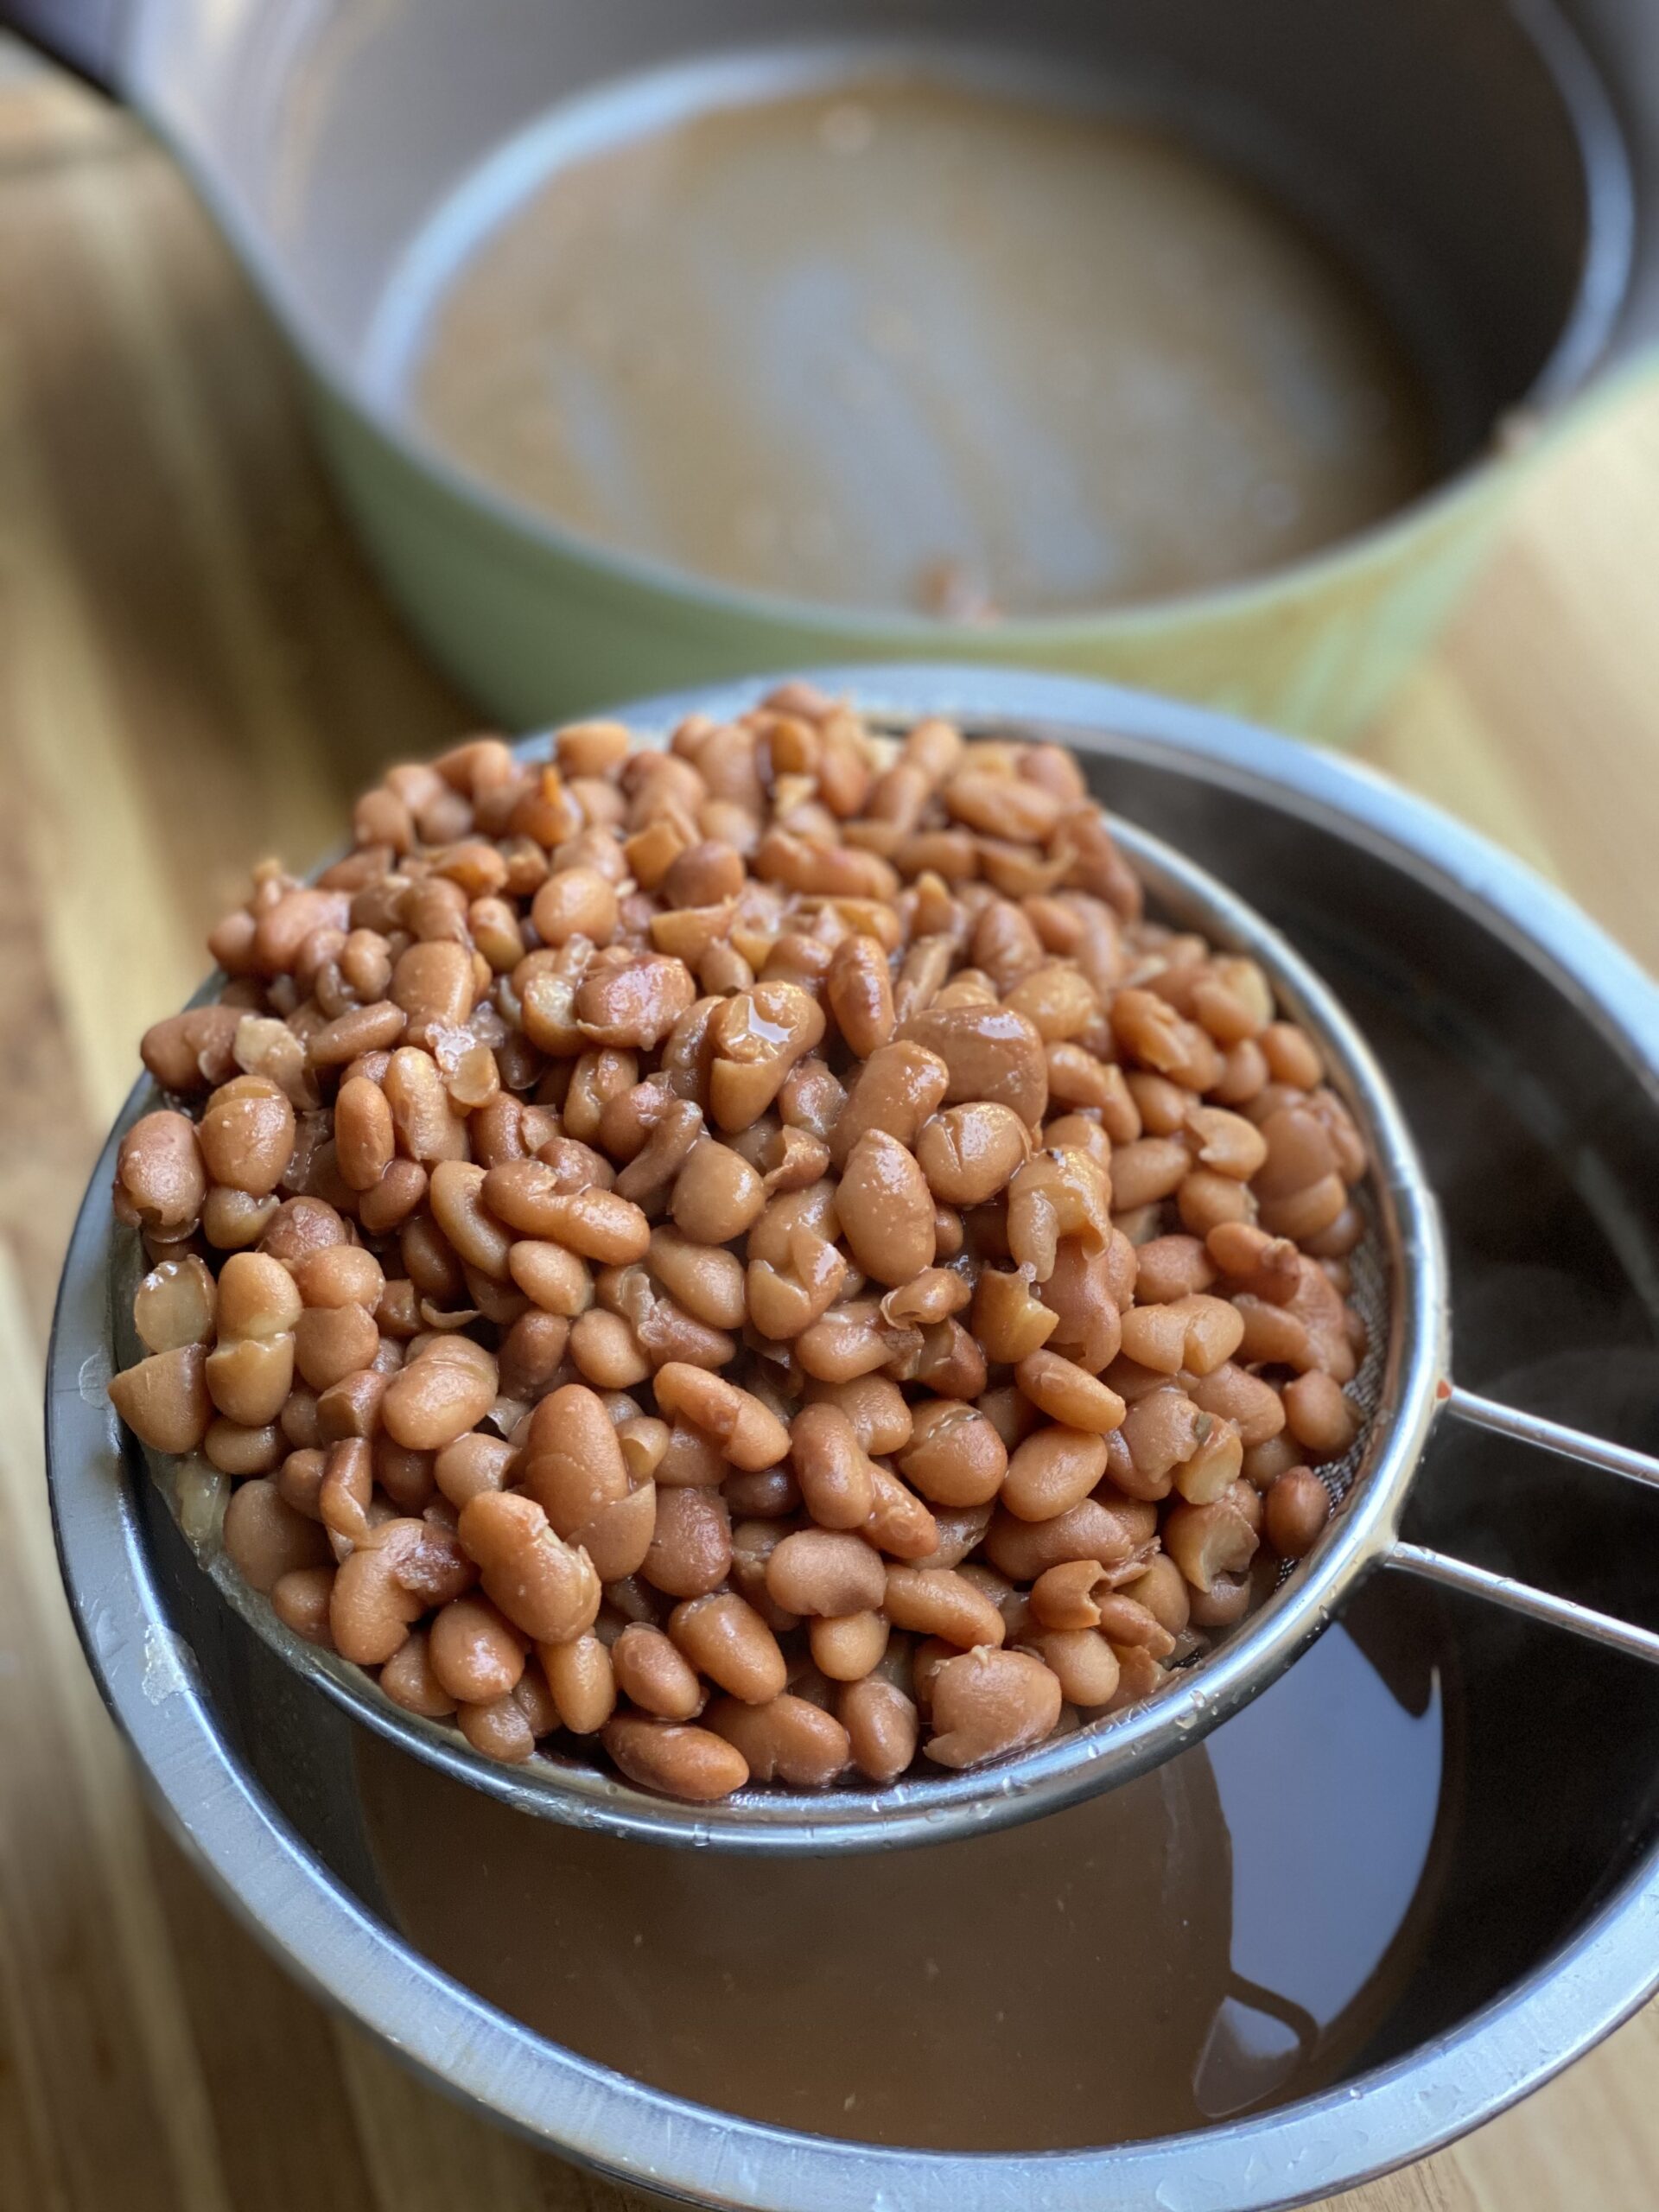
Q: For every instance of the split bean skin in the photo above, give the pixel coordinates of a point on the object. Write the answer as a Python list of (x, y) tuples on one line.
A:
[(756, 1264)]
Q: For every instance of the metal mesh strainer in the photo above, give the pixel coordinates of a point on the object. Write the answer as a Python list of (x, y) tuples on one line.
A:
[(1401, 1288)]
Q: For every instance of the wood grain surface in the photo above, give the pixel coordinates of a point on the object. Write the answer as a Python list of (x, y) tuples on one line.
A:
[(194, 661)]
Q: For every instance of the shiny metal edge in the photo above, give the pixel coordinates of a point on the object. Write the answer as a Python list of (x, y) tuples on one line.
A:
[(639, 2135), (1584, 346), (1451, 1573)]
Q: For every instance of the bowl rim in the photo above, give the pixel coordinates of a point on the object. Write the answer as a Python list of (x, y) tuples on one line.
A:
[(624, 2129), (1583, 344)]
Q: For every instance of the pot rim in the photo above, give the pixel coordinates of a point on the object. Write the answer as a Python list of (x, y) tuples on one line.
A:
[(639, 2134), (1581, 348)]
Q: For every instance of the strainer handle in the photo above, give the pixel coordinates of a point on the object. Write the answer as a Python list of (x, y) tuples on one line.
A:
[(1504, 1589)]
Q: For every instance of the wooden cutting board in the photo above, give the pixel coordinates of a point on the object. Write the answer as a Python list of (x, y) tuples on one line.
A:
[(193, 659)]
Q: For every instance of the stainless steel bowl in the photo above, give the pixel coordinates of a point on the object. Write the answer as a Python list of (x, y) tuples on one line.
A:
[(1450, 954)]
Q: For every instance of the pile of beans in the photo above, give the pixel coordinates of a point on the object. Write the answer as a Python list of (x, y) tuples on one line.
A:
[(756, 1260)]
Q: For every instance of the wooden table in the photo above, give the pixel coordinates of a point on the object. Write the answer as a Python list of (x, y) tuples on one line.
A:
[(193, 659)]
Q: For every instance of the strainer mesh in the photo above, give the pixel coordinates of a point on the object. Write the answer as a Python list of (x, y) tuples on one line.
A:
[(1369, 1295)]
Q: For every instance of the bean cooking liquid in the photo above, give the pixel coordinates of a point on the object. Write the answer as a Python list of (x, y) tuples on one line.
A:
[(906, 344), (1222, 1934)]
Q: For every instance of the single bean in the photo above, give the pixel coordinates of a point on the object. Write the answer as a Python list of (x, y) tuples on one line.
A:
[(1148, 1169), (1298, 1507), (717, 1195), (850, 1340), (1254, 1406), (1161, 1590), (961, 1530), (1069, 1394), (986, 1703), (725, 1639), (955, 1457), (831, 1468), (193, 1050), (331, 1342), (787, 1739), (1264, 1463), (476, 1653), (690, 1550), (899, 1524), (678, 1760), (247, 1133), (1211, 1470), (582, 1680), (439, 1395), (249, 1381), (771, 1495), (1083, 1663), (860, 991), (1084, 1292), (265, 1538), (409, 1680), (606, 1352), (160, 1178), (748, 1435), (556, 1279), (1170, 1268), (471, 1464), (1208, 1542), (817, 1571), (1307, 1215), (938, 1602), (544, 1586), (1010, 1320), (895, 1092), (523, 1194), (882, 1728), (573, 1463), (339, 1274), (848, 1646), (1053, 1470), (300, 1480), (1320, 1416), (299, 1600), (175, 1304), (532, 1351), (1161, 1430), (231, 1220), (497, 1728), (969, 1153), (1071, 1595), (619, 1536), (434, 984), (164, 1399), (239, 1450), (652, 1675)]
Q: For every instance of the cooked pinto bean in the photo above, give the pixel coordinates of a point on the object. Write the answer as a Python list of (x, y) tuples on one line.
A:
[(988, 1703), (787, 1740)]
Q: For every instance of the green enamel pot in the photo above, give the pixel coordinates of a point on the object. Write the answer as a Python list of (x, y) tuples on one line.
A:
[(1487, 162)]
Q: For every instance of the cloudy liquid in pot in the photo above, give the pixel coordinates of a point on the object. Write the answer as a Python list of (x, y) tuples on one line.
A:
[(909, 345), (1221, 1935)]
